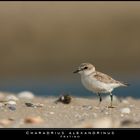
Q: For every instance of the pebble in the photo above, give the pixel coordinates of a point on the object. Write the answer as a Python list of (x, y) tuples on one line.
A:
[(5, 122), (71, 107), (125, 110), (51, 113), (12, 107), (87, 107), (33, 120), (1, 105), (106, 113), (85, 115), (11, 103), (77, 116), (53, 107), (39, 105), (11, 98), (26, 95), (96, 107), (34, 105), (49, 106), (29, 104), (66, 116), (126, 122), (132, 106), (65, 99), (125, 102), (11, 119), (134, 114), (95, 115)]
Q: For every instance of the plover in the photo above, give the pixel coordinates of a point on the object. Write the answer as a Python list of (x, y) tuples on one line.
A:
[(98, 82)]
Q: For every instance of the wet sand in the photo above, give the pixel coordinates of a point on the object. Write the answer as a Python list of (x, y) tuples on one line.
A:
[(43, 112)]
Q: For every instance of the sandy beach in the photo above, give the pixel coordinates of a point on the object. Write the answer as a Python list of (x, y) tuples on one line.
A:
[(43, 43), (18, 111)]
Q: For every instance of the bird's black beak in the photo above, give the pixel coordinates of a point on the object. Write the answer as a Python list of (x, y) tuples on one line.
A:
[(76, 71)]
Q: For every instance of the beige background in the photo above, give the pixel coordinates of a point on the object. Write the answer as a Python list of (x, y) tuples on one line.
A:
[(41, 39)]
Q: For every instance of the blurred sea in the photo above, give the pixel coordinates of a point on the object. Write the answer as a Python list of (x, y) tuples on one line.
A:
[(57, 87)]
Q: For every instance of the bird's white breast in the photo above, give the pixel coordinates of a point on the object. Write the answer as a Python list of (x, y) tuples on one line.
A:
[(96, 86)]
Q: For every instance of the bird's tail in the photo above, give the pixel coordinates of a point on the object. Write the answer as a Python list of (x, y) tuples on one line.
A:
[(125, 84)]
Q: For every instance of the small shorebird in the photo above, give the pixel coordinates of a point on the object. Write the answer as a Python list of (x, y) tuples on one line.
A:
[(98, 82)]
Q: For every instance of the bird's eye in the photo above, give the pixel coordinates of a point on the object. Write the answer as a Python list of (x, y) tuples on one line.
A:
[(85, 67)]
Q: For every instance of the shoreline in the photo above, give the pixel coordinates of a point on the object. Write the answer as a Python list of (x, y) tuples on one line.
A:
[(42, 112)]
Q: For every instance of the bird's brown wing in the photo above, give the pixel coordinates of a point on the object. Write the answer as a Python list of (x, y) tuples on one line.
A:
[(104, 78)]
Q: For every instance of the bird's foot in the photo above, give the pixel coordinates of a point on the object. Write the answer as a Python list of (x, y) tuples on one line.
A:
[(111, 106)]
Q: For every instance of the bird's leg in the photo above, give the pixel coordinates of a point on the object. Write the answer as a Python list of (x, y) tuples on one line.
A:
[(100, 98), (111, 96)]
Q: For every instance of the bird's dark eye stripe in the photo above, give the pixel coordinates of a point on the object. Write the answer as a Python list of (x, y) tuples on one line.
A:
[(85, 67)]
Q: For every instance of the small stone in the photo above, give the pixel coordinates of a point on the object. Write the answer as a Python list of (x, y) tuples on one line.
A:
[(66, 116), (12, 107), (134, 114), (87, 107), (125, 102), (77, 116), (125, 110), (1, 105), (11, 98), (65, 99), (85, 115), (122, 115), (26, 95), (72, 107), (33, 120), (39, 105), (95, 115), (5, 122), (29, 104), (51, 113), (11, 103), (126, 122), (132, 106), (106, 113), (11, 119), (53, 106), (34, 105), (97, 108)]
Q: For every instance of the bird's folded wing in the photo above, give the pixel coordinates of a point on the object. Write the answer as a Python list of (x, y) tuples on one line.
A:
[(105, 78)]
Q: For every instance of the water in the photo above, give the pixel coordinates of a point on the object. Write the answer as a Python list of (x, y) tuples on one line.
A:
[(56, 88)]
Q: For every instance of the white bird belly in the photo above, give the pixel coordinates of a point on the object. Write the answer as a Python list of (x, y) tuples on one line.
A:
[(96, 86)]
